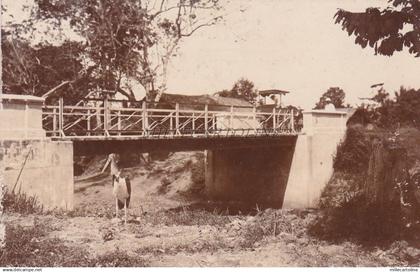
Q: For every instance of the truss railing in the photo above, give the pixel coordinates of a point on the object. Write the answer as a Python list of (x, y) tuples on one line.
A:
[(112, 118)]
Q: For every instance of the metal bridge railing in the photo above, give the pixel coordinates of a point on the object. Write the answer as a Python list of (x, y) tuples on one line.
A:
[(111, 118)]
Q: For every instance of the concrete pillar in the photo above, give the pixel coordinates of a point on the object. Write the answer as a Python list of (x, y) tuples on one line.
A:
[(312, 163), (252, 175), (30, 162), (21, 117)]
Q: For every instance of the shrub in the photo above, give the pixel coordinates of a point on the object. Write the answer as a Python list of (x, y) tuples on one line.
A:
[(197, 174), (353, 153), (21, 203), (368, 224)]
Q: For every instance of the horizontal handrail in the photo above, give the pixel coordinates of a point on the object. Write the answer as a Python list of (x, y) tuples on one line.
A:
[(109, 120)]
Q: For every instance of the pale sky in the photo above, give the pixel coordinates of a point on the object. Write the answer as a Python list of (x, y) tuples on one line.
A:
[(285, 44), (291, 45)]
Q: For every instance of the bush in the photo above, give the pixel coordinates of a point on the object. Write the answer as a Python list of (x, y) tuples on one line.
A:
[(353, 153), (368, 224), (197, 174), (340, 189)]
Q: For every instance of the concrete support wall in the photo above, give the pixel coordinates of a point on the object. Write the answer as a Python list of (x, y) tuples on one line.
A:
[(21, 117), (312, 164), (30, 162), (253, 175), (46, 174)]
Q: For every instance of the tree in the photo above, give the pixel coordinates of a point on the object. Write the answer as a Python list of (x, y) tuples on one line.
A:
[(386, 30), (242, 89), (333, 95), (123, 38), (33, 70)]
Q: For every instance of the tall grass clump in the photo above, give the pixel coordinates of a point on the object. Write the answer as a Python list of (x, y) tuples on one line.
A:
[(19, 202)]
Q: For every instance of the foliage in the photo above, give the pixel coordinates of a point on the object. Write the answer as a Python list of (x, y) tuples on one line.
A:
[(355, 219), (198, 174), (341, 188), (334, 95), (403, 110), (33, 70), (243, 89), (371, 197), (353, 153), (119, 41), (386, 30), (21, 203)]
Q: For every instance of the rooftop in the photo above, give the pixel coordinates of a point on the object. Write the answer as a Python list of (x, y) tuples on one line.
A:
[(272, 91)]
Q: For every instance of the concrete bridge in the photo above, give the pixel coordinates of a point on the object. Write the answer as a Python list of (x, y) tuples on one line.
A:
[(252, 155)]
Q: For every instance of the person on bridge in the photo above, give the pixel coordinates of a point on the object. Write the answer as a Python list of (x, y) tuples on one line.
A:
[(121, 185)]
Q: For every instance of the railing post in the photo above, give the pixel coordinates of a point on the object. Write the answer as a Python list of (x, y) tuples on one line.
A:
[(206, 119), (54, 122), (144, 117), (88, 123), (193, 124), (231, 118), (119, 123), (254, 119), (292, 121), (274, 120), (61, 116), (177, 118), (106, 116), (171, 124)]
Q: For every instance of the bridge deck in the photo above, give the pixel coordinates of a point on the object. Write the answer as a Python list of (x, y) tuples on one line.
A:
[(116, 120)]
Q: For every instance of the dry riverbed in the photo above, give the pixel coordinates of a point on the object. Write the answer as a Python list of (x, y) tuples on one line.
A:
[(167, 227)]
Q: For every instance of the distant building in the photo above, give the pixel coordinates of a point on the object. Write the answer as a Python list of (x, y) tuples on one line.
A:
[(271, 97)]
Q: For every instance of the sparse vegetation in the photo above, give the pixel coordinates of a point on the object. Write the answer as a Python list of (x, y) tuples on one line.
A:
[(186, 217), (21, 203), (370, 197), (31, 247)]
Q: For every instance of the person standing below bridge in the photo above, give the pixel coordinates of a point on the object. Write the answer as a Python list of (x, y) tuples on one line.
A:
[(121, 185)]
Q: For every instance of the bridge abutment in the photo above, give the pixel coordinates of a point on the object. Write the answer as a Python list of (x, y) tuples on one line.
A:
[(312, 164), (279, 176), (30, 162)]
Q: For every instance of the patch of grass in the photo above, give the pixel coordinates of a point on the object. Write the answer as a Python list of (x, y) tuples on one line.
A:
[(215, 244), (270, 223), (101, 212), (118, 258), (21, 203), (187, 217), (30, 247)]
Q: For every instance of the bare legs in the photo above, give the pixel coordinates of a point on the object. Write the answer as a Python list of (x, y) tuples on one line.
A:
[(116, 207), (125, 209)]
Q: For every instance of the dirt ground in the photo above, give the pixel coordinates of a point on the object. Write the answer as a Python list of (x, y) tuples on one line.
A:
[(169, 228)]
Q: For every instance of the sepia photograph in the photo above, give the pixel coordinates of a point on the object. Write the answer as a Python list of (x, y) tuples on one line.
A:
[(210, 134)]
